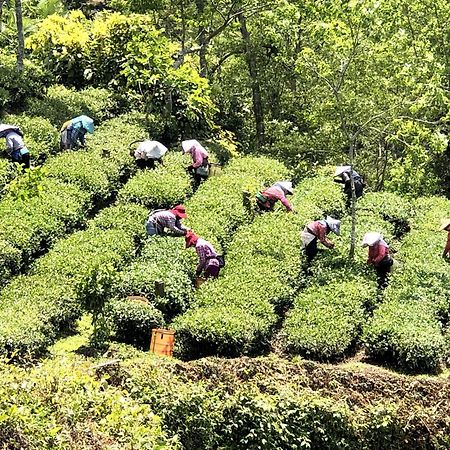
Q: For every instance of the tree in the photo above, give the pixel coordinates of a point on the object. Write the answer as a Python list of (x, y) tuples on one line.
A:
[(20, 37)]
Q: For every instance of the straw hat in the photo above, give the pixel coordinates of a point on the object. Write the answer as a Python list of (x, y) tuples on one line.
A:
[(371, 238), (444, 224), (334, 224), (341, 169)]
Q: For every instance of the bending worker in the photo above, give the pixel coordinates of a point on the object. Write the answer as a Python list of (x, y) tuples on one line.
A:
[(266, 200), (446, 227), (318, 230), (343, 175), (147, 153), (73, 132), (170, 219), (200, 165), (15, 145), (379, 256), (208, 261)]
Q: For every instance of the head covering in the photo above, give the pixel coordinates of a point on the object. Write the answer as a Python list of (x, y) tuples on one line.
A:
[(371, 238), (334, 224), (341, 169), (286, 186), (5, 129), (190, 238), (187, 145), (444, 224), (86, 122), (179, 211), (152, 149)]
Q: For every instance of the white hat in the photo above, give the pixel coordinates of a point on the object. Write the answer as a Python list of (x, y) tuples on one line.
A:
[(341, 169), (334, 224), (371, 238), (444, 224), (152, 149), (286, 186), (187, 145)]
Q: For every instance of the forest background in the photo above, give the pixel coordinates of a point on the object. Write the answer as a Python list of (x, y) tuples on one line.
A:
[(304, 82)]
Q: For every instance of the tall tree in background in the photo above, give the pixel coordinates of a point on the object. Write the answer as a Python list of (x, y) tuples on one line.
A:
[(20, 38)]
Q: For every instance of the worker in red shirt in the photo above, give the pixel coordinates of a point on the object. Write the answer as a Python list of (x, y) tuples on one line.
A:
[(379, 256), (446, 227), (318, 230), (266, 200)]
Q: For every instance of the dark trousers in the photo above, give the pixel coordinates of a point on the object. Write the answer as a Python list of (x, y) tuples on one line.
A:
[(311, 250), (212, 272), (23, 159), (383, 270), (145, 163)]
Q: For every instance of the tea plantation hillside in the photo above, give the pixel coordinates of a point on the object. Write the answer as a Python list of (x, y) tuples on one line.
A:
[(276, 353)]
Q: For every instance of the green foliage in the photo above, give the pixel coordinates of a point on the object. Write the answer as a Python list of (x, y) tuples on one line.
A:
[(326, 321), (15, 87), (29, 183), (61, 103), (162, 187), (236, 314), (62, 405), (133, 322)]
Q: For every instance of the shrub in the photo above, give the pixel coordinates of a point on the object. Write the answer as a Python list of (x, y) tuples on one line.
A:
[(326, 321), (61, 103), (133, 322), (262, 273), (10, 258), (162, 187), (15, 87)]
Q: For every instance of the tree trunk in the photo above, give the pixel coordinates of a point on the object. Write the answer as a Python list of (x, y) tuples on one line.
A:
[(202, 38), (20, 38), (353, 204), (256, 89)]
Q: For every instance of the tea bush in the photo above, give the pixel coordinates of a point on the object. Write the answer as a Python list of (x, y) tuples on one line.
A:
[(61, 103), (236, 314), (326, 321), (162, 187), (133, 322), (406, 330)]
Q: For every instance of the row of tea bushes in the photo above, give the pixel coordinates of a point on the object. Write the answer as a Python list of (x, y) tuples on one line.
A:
[(52, 296), (76, 181), (237, 313), (327, 317), (163, 273), (407, 329)]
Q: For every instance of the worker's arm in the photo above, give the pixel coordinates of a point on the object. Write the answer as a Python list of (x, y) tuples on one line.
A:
[(175, 227), (285, 202), (339, 180), (322, 236), (447, 246)]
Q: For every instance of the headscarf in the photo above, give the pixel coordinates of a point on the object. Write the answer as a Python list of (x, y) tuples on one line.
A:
[(190, 238), (286, 186), (370, 239), (334, 224), (179, 211), (86, 122)]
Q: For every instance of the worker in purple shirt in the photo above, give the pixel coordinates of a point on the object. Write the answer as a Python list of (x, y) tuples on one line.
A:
[(207, 256), (170, 219)]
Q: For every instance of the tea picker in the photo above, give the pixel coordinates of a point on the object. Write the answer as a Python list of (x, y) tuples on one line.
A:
[(73, 132), (445, 226), (200, 165), (266, 200), (318, 230), (210, 262), (170, 219), (147, 153), (343, 175), (15, 145), (379, 256)]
